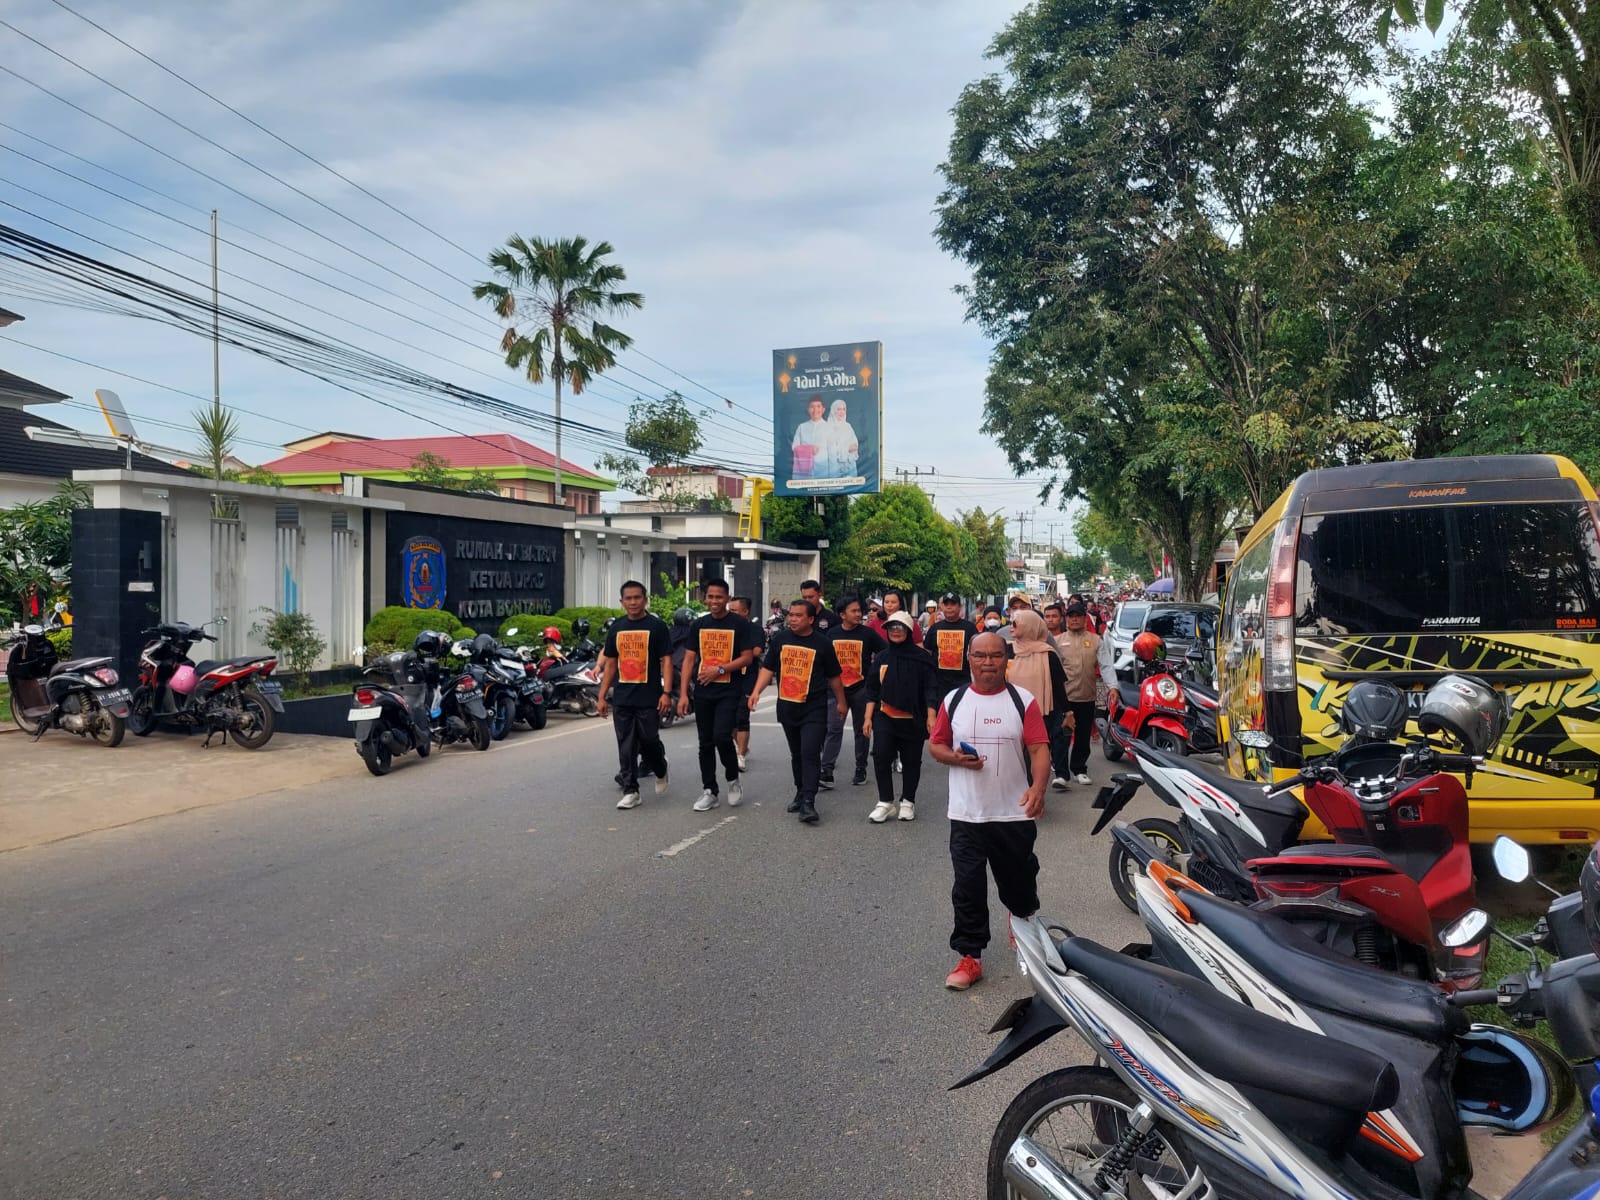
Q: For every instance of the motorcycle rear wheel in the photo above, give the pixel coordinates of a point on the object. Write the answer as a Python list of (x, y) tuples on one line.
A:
[(590, 705), (1108, 744), (539, 718), (107, 728), (142, 713), (479, 733), (255, 704), (376, 755), (1165, 838), (1077, 1116)]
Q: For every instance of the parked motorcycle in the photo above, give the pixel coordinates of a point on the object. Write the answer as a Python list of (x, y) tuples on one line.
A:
[(390, 711), (81, 696), (574, 686), (526, 684), (1152, 707), (457, 712), (235, 697), (1201, 706), (502, 683)]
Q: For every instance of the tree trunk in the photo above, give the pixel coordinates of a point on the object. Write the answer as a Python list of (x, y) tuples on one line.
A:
[(558, 437)]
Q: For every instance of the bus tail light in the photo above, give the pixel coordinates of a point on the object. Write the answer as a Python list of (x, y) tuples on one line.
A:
[(1277, 660)]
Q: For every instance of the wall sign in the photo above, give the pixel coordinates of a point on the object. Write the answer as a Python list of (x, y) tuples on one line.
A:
[(479, 570)]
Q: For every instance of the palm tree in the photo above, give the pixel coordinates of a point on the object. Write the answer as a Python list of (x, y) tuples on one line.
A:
[(566, 286)]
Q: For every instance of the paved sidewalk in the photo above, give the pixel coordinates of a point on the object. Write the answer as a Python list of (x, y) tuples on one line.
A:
[(62, 786)]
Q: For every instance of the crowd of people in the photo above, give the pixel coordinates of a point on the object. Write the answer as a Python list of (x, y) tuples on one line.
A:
[(1007, 701)]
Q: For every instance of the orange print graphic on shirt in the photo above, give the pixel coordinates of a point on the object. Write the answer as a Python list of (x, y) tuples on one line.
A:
[(849, 656), (716, 650), (952, 649), (794, 673), (633, 656)]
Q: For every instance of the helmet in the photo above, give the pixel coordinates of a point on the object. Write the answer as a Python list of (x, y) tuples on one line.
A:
[(484, 645), (431, 643), (1589, 888), (580, 627), (683, 616), (1374, 712), (1148, 647), (551, 634), (1465, 709)]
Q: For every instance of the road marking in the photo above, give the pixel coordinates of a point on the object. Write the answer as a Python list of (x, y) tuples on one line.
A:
[(679, 847)]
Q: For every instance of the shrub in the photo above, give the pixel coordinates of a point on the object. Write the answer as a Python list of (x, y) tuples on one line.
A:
[(396, 628), (530, 629), (294, 636), (598, 615), (669, 597), (61, 639)]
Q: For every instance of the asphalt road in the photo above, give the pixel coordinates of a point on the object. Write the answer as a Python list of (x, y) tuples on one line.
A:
[(476, 977)]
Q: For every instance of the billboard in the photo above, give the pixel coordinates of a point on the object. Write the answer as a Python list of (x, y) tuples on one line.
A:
[(827, 419)]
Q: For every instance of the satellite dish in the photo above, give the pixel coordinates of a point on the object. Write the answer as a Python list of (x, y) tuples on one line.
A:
[(116, 416)]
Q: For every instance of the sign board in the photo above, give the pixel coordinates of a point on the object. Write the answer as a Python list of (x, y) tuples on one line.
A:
[(482, 571), (1030, 583), (827, 419)]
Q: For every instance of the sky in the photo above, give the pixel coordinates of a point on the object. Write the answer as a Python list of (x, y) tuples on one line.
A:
[(767, 173)]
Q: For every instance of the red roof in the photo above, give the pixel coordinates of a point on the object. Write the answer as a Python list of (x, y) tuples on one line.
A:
[(396, 454)]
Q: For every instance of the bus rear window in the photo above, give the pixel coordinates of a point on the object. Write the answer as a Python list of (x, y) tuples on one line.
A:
[(1449, 567)]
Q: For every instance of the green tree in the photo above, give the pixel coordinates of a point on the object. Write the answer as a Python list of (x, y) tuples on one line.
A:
[(36, 548), (429, 469), (986, 572), (1125, 544), (897, 539), (1080, 569), (664, 433), (565, 287), (797, 520)]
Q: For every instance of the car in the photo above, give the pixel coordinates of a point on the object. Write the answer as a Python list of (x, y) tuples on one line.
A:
[(1183, 626), (1124, 626)]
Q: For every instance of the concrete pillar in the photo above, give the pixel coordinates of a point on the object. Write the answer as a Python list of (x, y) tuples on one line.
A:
[(116, 581)]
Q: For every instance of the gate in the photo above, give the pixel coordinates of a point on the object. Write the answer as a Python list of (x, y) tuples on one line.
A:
[(227, 584), (345, 634)]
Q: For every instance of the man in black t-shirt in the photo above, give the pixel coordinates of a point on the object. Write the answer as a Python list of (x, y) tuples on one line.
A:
[(638, 658), (721, 645), (826, 619), (947, 642), (743, 606), (855, 645), (801, 659)]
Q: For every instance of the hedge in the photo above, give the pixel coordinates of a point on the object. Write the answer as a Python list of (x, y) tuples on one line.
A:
[(598, 615), (396, 628), (530, 629)]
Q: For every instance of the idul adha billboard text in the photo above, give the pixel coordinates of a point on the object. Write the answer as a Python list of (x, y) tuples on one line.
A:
[(827, 419)]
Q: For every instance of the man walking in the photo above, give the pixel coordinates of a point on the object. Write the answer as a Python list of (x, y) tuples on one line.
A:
[(811, 591), (637, 657), (720, 646), (801, 659), (1080, 648), (743, 606), (996, 794), (947, 642), (855, 646)]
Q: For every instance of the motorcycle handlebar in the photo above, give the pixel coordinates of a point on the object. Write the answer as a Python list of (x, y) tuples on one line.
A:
[(1470, 998)]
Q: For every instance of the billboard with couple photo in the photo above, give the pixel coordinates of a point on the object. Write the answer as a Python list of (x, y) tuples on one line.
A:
[(827, 419)]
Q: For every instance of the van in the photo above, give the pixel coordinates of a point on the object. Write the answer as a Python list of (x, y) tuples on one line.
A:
[(1408, 571)]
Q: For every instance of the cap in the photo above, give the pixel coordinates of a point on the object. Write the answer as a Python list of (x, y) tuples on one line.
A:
[(900, 618), (1076, 609), (949, 598)]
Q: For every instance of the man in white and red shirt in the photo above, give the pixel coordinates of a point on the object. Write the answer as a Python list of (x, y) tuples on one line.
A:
[(995, 796)]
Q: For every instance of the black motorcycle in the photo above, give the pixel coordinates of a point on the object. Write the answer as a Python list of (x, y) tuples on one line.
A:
[(1201, 705), (391, 711), (81, 696), (459, 712), (526, 685), (502, 684)]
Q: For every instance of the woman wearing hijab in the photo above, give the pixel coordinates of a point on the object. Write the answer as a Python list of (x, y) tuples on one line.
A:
[(843, 446), (1036, 666), (902, 702)]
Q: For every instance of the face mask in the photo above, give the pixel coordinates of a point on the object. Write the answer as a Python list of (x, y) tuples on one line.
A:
[(992, 623)]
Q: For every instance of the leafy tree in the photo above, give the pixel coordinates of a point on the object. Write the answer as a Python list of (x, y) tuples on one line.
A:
[(564, 286), (897, 539), (36, 548), (665, 433), (1079, 569), (797, 519), (429, 469), (985, 573), (1125, 544)]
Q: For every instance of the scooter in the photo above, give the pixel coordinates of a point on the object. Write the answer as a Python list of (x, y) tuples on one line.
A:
[(574, 687), (391, 711), (1152, 708), (1201, 707), (81, 696), (458, 712), (526, 685), (502, 683), (236, 697)]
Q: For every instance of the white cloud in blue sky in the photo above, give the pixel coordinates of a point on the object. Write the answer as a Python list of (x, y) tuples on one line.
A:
[(767, 172)]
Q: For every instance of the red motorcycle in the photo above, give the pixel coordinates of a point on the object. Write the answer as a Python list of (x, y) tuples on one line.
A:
[(1400, 872), (236, 697), (1153, 708)]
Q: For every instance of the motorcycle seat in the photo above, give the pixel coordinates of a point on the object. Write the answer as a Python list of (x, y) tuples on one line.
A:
[(1316, 1086), (1334, 850), (1128, 693), (205, 668), (1321, 978), (1246, 793), (76, 665)]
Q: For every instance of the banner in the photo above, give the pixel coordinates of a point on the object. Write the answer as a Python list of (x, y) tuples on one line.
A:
[(827, 419)]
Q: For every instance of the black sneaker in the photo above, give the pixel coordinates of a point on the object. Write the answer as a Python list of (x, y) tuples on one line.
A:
[(794, 805), (826, 781), (859, 777), (808, 814)]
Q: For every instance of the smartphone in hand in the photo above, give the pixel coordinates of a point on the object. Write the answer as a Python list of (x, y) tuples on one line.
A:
[(966, 749)]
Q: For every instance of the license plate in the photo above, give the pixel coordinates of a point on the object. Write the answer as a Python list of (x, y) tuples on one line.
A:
[(270, 685), (365, 714), (116, 696)]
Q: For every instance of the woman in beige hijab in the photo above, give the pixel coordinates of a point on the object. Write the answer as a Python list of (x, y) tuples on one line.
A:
[(1036, 667)]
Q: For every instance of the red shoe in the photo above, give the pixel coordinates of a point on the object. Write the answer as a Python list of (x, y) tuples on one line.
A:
[(968, 971), (1011, 935)]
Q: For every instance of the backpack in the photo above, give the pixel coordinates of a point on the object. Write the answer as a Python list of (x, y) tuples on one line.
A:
[(1022, 715)]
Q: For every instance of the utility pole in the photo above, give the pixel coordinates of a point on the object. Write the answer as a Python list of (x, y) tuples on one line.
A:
[(216, 326)]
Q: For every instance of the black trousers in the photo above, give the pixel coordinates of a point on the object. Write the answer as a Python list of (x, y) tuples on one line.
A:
[(1081, 734), (1055, 725), (857, 700), (638, 743), (716, 714), (806, 730), (1004, 848), (903, 736)]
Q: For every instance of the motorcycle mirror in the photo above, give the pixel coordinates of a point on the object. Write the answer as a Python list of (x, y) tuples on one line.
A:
[(1512, 860), (1465, 929), (61, 606), (512, 632), (1254, 739)]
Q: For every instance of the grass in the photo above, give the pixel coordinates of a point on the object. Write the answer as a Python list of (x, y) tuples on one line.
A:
[(5, 703)]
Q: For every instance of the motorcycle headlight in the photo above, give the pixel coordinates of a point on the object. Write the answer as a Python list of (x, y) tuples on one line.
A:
[(106, 676), (1166, 688)]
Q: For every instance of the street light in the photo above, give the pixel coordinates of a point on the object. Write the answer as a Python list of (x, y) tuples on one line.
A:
[(7, 317)]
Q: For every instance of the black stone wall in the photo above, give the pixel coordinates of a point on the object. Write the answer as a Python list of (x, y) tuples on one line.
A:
[(113, 548)]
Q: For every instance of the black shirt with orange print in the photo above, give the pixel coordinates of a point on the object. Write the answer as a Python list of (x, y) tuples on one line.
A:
[(717, 643), (802, 667), (855, 649), (638, 648)]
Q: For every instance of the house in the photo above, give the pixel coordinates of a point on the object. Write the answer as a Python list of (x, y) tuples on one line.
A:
[(522, 471), (716, 486)]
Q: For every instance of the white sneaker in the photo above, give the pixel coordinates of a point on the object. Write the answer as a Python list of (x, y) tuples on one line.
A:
[(661, 786), (741, 762), (899, 767), (707, 801), (881, 812), (735, 794), (1082, 778), (908, 811), (629, 800), (1059, 784)]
